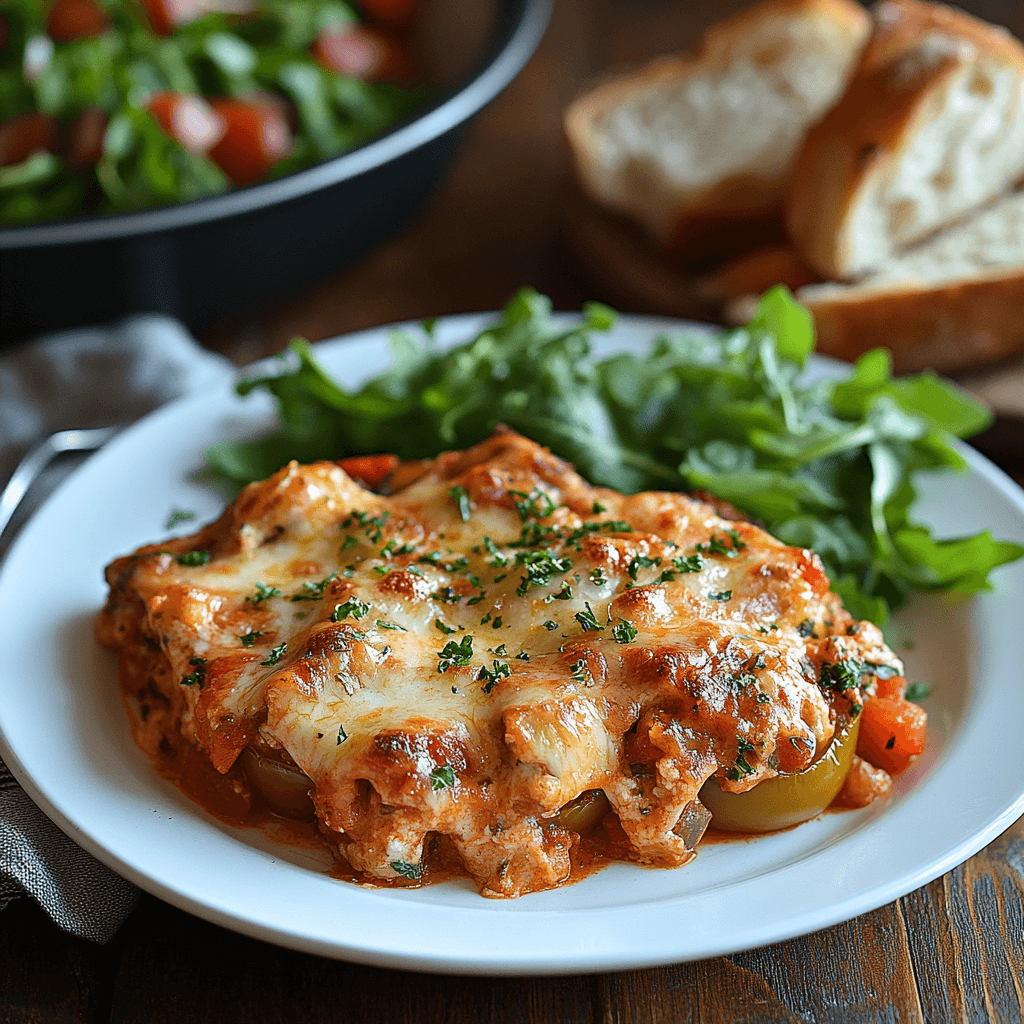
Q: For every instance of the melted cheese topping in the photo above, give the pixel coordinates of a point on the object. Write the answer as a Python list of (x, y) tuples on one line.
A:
[(472, 653)]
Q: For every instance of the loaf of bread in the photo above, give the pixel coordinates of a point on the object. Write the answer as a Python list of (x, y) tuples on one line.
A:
[(688, 147), (930, 128), (953, 302)]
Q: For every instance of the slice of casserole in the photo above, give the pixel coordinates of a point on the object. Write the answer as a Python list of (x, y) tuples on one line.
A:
[(468, 655)]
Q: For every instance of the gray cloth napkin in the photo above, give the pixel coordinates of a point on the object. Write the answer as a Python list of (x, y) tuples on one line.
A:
[(86, 378)]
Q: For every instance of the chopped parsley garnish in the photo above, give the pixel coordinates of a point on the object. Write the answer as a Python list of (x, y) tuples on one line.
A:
[(446, 595), (763, 698), (667, 576), (806, 628), (549, 625), (313, 591), (460, 496), (498, 670), (535, 505), (444, 627), (342, 736), (638, 562), (262, 594), (721, 595), (193, 558), (597, 508), (534, 535), (841, 676), (373, 524), (742, 767), (565, 594), (349, 542), (541, 568), (485, 619), (411, 871), (431, 558), (580, 672), (455, 654), (624, 632), (688, 563), (353, 608), (178, 515), (198, 676), (597, 576), (248, 639), (716, 545), (496, 624), (384, 624), (275, 655), (587, 619), (917, 692), (442, 777)]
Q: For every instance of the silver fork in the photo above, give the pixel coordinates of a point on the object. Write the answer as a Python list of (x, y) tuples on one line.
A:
[(39, 457)]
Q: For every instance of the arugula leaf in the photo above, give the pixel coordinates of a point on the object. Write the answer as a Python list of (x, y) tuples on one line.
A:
[(828, 465)]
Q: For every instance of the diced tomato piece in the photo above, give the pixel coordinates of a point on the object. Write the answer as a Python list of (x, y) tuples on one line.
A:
[(894, 686), (892, 731), (84, 144), (395, 14), (72, 19), (814, 572), (24, 135), (187, 118), (369, 470), (364, 53), (255, 138)]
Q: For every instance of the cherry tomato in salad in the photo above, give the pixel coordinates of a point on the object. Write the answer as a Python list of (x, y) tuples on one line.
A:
[(364, 53), (73, 19), (84, 145), (187, 118), (255, 137), (24, 135)]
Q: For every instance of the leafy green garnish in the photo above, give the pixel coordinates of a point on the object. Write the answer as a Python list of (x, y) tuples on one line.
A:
[(827, 465), (193, 558)]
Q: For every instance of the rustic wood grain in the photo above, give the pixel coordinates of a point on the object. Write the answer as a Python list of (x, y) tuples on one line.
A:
[(47, 975), (176, 968)]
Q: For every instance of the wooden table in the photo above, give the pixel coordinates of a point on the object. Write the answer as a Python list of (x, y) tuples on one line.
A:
[(952, 951)]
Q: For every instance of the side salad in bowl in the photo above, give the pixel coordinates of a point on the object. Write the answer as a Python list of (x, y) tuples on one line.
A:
[(118, 105)]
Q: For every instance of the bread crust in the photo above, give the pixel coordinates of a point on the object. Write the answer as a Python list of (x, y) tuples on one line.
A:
[(672, 222), (902, 69), (949, 327)]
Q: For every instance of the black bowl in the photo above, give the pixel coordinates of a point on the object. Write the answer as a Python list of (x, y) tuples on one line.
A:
[(243, 250)]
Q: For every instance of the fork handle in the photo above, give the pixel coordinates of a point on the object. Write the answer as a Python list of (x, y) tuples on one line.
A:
[(39, 457)]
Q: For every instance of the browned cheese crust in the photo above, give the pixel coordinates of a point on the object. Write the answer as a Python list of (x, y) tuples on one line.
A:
[(637, 645)]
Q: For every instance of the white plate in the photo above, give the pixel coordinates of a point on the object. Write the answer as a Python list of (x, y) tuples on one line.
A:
[(64, 735)]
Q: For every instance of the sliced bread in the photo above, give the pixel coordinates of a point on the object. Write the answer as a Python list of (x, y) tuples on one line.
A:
[(930, 128), (955, 301), (685, 143)]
